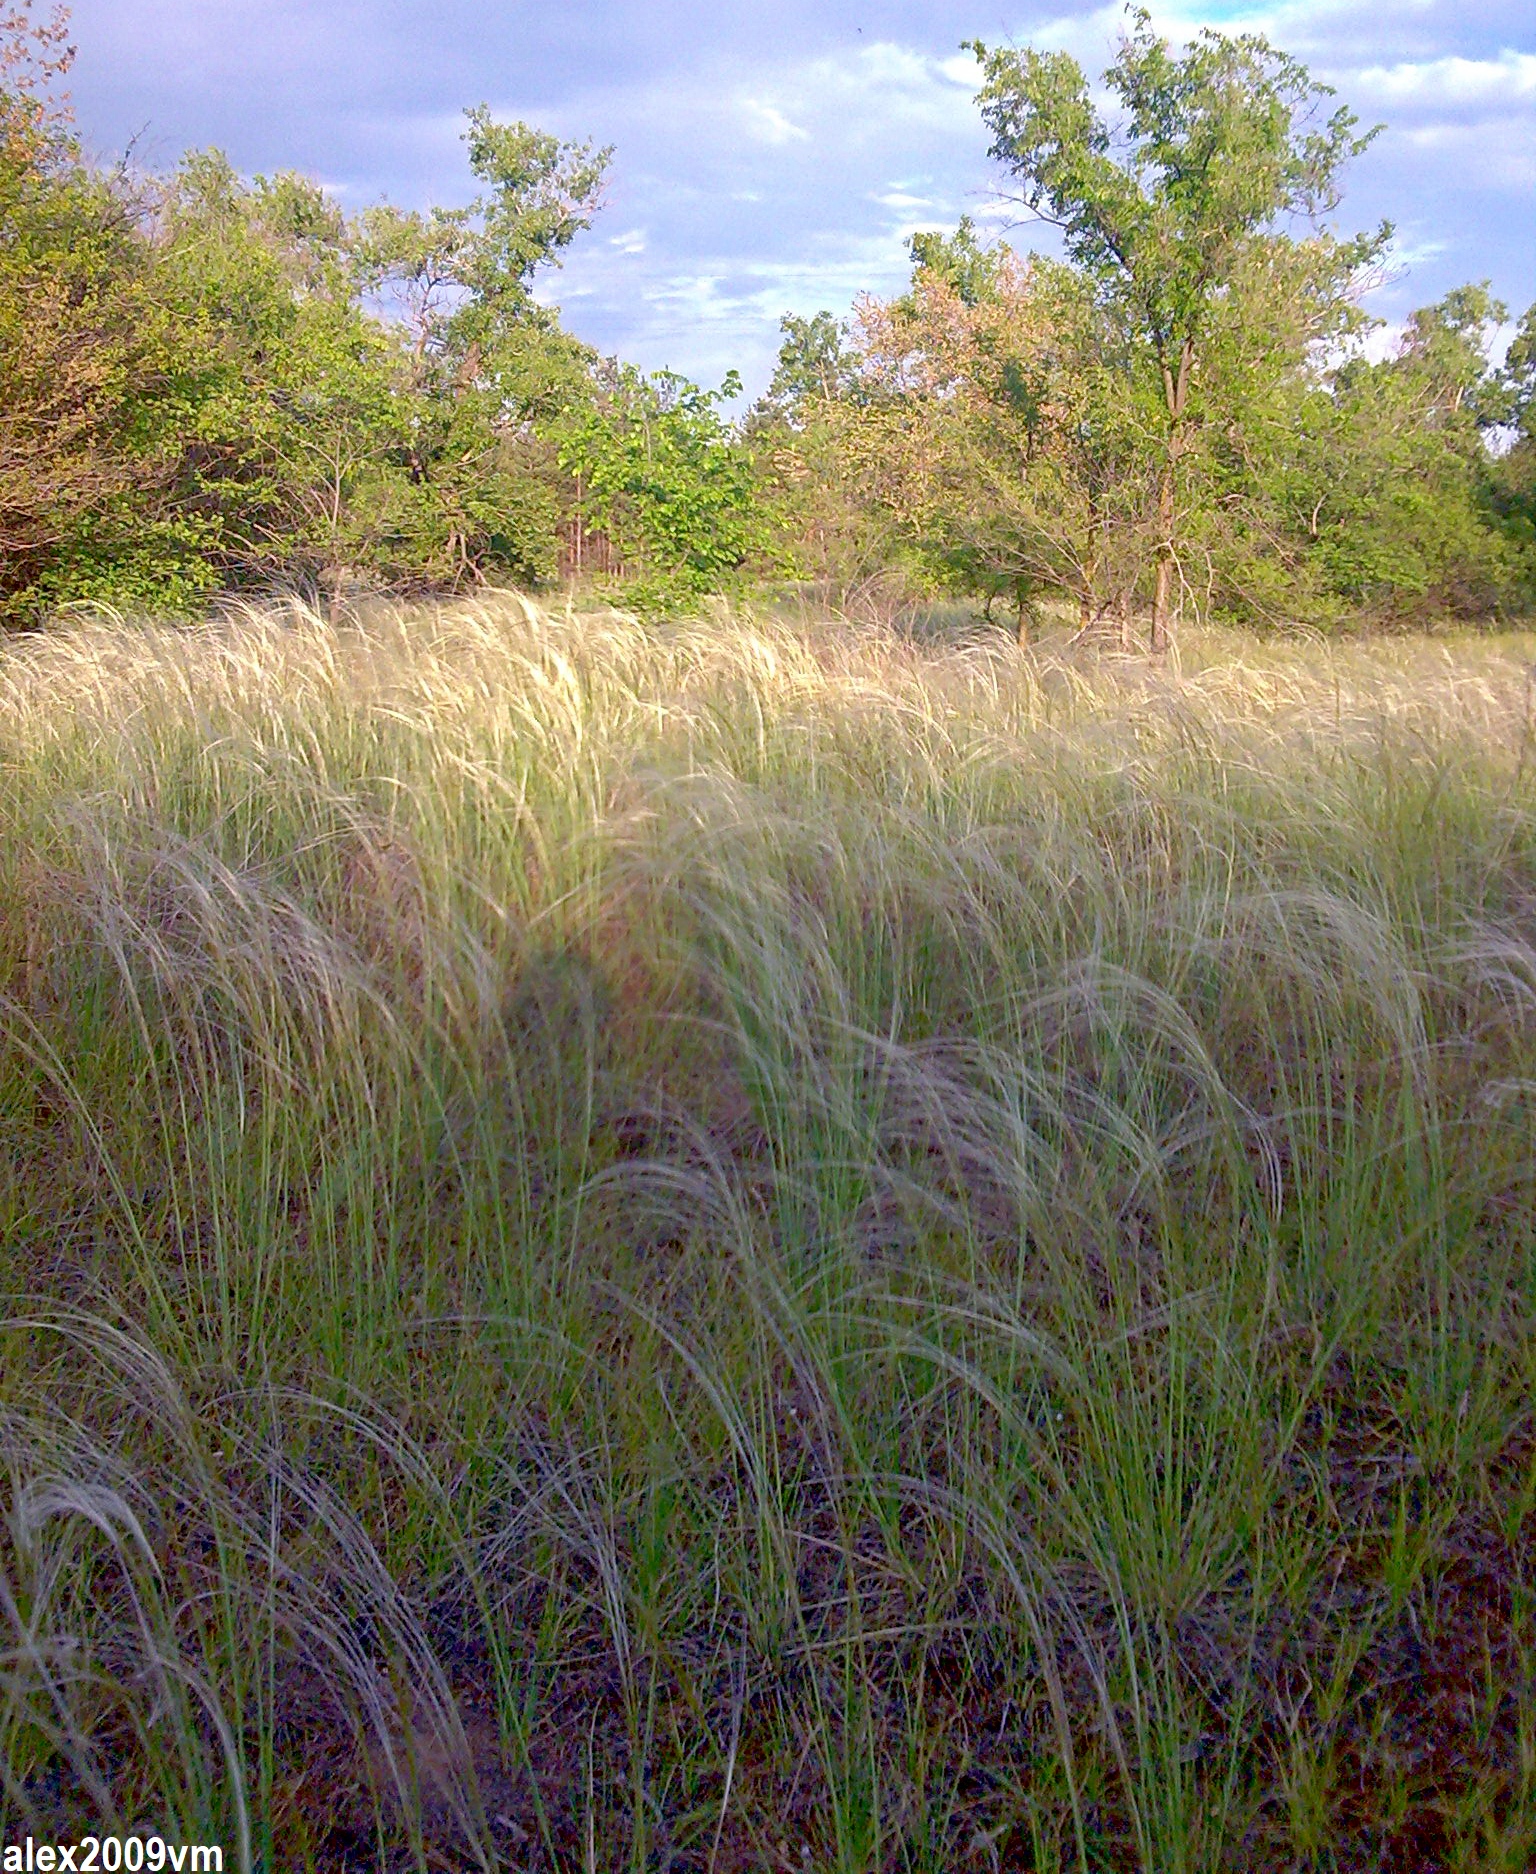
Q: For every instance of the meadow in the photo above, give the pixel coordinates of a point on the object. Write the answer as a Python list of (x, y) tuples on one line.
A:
[(767, 1245)]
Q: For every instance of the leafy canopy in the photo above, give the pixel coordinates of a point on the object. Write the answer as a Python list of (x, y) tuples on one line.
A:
[(1183, 213), (1219, 150), (463, 277), (664, 475)]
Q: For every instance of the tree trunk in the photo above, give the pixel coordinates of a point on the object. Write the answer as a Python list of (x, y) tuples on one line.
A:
[(1162, 591), (1086, 611), (1176, 390)]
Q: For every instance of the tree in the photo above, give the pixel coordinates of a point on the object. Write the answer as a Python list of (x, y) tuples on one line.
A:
[(79, 332), (971, 270), (1368, 489), (318, 442), (461, 279), (1519, 380), (202, 385), (1515, 475), (1446, 346), (662, 474), (998, 422), (276, 385), (1183, 213), (488, 369), (814, 366)]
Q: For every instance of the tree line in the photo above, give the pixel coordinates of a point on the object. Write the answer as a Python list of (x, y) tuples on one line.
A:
[(211, 383)]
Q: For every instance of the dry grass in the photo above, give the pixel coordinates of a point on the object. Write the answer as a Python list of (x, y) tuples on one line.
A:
[(764, 1246)]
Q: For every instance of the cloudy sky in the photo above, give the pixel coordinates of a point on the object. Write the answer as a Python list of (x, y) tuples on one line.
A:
[(775, 157)]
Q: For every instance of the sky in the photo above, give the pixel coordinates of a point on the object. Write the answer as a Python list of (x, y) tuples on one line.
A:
[(775, 156)]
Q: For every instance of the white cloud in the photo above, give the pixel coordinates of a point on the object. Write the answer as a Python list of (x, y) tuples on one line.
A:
[(766, 123), (882, 87), (1415, 253), (1508, 79), (1496, 153), (1382, 342), (1358, 45), (631, 242), (1386, 341), (963, 69)]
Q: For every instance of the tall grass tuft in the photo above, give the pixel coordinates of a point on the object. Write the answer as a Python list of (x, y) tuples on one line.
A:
[(759, 1245)]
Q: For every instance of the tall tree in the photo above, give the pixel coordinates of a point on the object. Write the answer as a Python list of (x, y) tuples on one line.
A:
[(1407, 513), (1185, 210), (814, 366), (275, 367), (77, 329), (461, 279), (1516, 476), (808, 434), (999, 422), (488, 367)]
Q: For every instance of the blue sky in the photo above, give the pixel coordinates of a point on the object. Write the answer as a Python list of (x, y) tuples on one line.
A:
[(775, 158)]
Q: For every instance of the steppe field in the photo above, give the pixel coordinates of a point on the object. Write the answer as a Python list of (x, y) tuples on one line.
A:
[(766, 1245)]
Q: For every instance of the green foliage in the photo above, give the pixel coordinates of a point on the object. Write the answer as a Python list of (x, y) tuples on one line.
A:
[(1519, 379), (814, 365), (338, 448), (1182, 214), (1513, 491), (1163, 418), (81, 336), (1446, 346), (540, 194), (1214, 155), (661, 471), (199, 392), (828, 531), (282, 385), (212, 382), (970, 269), (1009, 418), (461, 278), (1369, 491), (143, 559), (1410, 481)]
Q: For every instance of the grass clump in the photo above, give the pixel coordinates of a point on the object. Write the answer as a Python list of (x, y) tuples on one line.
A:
[(763, 1246)]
